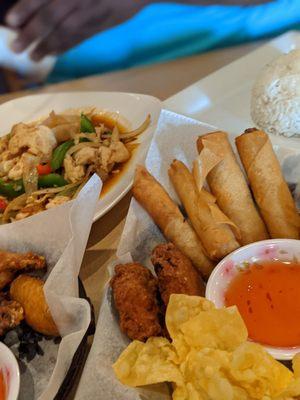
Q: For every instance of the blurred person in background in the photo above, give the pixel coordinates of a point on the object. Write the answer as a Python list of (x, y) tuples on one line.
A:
[(95, 36)]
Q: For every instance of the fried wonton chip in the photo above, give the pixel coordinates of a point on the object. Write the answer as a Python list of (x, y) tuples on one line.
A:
[(206, 374), (258, 372), (222, 329), (296, 365), (208, 358), (293, 389), (147, 363), (181, 309)]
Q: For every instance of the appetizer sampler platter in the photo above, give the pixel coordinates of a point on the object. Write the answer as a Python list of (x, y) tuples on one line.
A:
[(47, 134), (196, 202), (181, 338)]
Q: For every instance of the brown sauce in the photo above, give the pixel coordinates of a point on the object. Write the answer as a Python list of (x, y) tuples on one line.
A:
[(114, 177)]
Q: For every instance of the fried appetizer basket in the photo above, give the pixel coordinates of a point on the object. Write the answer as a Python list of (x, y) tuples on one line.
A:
[(176, 138), (60, 235)]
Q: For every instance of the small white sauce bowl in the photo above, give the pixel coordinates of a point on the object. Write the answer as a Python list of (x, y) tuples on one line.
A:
[(229, 267), (10, 369)]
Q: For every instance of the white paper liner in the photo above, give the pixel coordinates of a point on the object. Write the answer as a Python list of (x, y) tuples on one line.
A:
[(175, 138), (60, 234)]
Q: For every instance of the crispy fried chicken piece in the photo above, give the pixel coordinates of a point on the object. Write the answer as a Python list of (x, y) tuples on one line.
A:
[(176, 274), (6, 277), (16, 262), (135, 294), (11, 314)]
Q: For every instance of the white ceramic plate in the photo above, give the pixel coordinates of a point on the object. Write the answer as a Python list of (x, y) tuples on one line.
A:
[(223, 98), (134, 107)]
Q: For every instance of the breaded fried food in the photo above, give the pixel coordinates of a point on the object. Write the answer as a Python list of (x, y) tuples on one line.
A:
[(11, 314), (135, 292), (167, 216), (16, 262), (6, 277), (29, 292), (176, 274)]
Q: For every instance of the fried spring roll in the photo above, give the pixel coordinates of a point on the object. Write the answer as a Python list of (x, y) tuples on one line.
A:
[(175, 272), (270, 190), (228, 184), (166, 214), (135, 292), (217, 238)]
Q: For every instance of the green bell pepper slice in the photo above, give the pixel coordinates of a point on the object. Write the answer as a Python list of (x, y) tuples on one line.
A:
[(11, 189), (86, 125), (51, 180), (59, 154)]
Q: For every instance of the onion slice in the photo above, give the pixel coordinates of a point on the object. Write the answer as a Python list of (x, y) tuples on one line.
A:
[(15, 205), (115, 135), (138, 131), (80, 146), (30, 173), (54, 190)]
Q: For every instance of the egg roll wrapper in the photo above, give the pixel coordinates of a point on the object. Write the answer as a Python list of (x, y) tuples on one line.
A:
[(269, 187), (217, 238), (228, 184), (166, 214), (211, 201)]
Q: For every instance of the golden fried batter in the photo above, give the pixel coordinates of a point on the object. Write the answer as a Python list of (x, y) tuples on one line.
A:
[(11, 314), (5, 278), (176, 274), (28, 291), (15, 262), (135, 295)]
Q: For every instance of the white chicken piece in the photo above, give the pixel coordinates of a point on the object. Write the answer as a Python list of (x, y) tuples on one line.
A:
[(5, 155), (16, 172), (120, 153), (7, 165), (20, 165), (57, 201), (73, 173), (39, 140), (104, 157), (86, 155), (117, 152), (21, 215), (3, 144)]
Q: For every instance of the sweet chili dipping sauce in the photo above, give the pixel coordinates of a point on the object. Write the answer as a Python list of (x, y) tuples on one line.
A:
[(268, 297), (2, 387)]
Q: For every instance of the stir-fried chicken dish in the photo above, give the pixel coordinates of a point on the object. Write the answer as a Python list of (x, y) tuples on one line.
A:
[(45, 164)]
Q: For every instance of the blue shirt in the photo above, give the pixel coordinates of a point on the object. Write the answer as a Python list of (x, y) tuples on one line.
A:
[(165, 31)]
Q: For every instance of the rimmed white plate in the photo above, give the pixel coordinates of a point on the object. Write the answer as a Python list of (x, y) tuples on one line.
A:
[(223, 98), (134, 107)]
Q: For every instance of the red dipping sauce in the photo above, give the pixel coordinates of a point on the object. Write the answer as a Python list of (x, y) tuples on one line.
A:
[(2, 387), (268, 297)]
